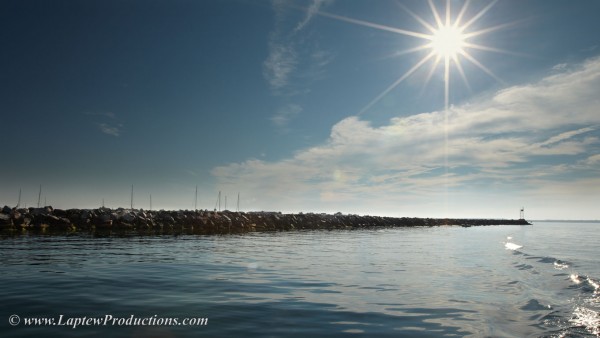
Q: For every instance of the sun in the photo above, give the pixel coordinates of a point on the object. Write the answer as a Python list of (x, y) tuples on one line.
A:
[(448, 42)]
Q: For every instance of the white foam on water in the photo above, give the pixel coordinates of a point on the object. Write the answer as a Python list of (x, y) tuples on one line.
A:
[(512, 246), (587, 318), (560, 266), (593, 283), (575, 278)]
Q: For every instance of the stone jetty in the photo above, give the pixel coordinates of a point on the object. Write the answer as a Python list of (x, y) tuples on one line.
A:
[(204, 222)]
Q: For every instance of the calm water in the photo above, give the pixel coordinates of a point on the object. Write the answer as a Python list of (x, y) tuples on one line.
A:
[(501, 281)]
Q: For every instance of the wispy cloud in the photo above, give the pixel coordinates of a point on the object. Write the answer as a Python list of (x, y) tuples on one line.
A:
[(284, 115), (110, 115), (592, 161), (289, 57), (312, 10), (191, 172), (565, 136), (109, 126), (560, 67), (280, 64), (114, 130), (521, 137)]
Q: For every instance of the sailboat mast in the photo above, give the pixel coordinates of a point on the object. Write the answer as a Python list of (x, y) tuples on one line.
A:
[(19, 202), (218, 202), (39, 196), (196, 200), (238, 203), (132, 197)]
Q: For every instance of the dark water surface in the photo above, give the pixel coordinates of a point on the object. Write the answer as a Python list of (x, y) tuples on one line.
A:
[(499, 281)]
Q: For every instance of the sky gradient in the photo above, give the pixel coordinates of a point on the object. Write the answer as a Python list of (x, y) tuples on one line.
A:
[(292, 105)]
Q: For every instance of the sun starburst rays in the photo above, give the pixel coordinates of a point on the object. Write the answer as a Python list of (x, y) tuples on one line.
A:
[(395, 84), (446, 39)]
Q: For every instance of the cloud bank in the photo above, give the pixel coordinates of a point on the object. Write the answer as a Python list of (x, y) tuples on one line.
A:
[(536, 143)]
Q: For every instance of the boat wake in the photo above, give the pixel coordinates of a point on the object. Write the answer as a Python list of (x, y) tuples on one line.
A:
[(586, 314), (582, 316)]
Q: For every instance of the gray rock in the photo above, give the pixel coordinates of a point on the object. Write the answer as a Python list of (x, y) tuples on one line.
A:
[(5, 220), (128, 217), (105, 219), (167, 218), (85, 214), (60, 213), (17, 217), (141, 215), (39, 211)]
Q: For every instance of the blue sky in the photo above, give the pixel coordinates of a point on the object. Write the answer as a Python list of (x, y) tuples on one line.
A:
[(282, 101)]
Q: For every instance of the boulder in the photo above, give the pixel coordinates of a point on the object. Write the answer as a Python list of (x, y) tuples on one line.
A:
[(128, 217), (40, 211), (141, 216), (48, 219), (60, 213), (26, 222), (17, 217), (167, 218), (85, 214), (104, 219), (5, 220), (54, 223)]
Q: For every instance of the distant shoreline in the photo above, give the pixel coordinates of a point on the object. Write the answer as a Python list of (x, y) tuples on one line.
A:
[(204, 222), (566, 221)]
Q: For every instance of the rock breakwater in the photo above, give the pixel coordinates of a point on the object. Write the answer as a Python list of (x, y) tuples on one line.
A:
[(50, 220)]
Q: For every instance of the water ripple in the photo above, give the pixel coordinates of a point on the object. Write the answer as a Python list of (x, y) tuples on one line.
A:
[(395, 282)]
